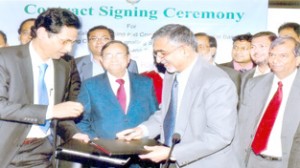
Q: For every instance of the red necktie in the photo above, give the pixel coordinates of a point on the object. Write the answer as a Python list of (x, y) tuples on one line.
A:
[(121, 94), (266, 124)]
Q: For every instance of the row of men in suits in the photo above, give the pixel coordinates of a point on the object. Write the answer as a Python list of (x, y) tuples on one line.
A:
[(268, 55)]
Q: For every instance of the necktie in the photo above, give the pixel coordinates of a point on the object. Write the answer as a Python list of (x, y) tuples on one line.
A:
[(169, 121), (42, 93), (121, 94), (243, 70), (266, 124)]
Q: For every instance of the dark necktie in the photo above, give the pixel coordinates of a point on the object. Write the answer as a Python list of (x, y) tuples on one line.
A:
[(169, 121), (121, 94), (43, 94), (266, 124)]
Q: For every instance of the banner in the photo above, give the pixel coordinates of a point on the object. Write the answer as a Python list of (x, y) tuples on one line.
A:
[(134, 21)]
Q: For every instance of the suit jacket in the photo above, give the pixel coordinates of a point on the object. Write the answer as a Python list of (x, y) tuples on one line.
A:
[(18, 112), (294, 160), (103, 116), (228, 64), (234, 76), (252, 105), (245, 78), (206, 120), (85, 67)]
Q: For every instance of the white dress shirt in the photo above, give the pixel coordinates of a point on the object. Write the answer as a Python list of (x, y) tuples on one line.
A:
[(35, 130), (257, 72), (274, 143)]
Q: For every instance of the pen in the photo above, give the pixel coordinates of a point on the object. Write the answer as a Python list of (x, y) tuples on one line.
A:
[(99, 148)]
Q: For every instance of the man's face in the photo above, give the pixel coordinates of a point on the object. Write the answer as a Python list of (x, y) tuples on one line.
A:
[(282, 59), (2, 42), (170, 55), (97, 39), (203, 47), (260, 49), (241, 51), (57, 45), (25, 36), (290, 33), (115, 59)]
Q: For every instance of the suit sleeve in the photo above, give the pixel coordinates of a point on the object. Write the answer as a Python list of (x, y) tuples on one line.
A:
[(294, 161), (12, 103), (85, 123), (67, 128)]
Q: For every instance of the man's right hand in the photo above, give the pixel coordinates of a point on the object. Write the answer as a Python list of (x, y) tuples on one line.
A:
[(67, 109), (129, 134)]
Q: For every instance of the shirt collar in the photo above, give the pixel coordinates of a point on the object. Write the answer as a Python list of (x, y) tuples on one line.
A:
[(287, 80), (184, 75), (35, 58), (238, 67), (113, 78)]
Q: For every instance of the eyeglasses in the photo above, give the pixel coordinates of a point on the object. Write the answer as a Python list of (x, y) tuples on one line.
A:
[(62, 40), (103, 39), (162, 54), (117, 55)]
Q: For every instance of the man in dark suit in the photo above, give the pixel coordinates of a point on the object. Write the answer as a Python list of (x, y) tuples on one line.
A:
[(199, 102), (90, 65), (272, 151), (241, 60), (30, 99)]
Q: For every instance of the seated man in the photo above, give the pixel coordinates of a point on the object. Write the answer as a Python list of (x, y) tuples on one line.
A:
[(105, 113), (117, 99)]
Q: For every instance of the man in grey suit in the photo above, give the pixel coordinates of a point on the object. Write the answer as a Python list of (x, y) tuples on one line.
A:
[(24, 142), (206, 113), (275, 152), (90, 65), (260, 44)]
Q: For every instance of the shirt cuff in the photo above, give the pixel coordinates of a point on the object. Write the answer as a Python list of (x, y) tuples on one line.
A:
[(145, 130)]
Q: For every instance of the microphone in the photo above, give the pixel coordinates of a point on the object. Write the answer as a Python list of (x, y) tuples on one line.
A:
[(175, 140)]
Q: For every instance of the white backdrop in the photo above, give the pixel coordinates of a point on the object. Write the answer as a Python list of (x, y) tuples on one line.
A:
[(135, 23)]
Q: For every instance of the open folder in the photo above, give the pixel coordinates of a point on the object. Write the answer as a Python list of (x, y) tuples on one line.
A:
[(116, 152)]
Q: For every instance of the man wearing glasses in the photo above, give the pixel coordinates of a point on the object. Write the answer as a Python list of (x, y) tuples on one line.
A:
[(199, 103), (34, 83)]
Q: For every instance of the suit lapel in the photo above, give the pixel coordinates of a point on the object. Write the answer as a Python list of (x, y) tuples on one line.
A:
[(134, 88), (189, 94), (259, 97), (291, 116), (61, 74), (25, 69)]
